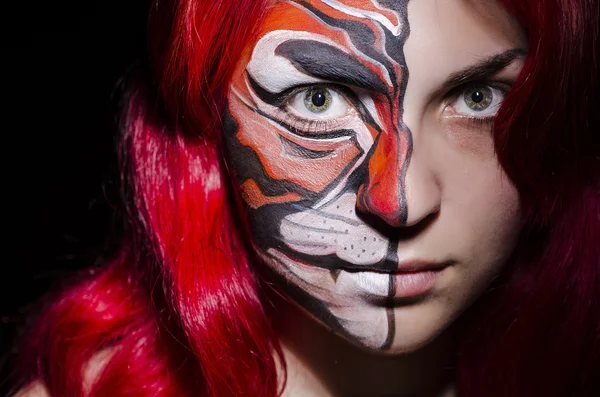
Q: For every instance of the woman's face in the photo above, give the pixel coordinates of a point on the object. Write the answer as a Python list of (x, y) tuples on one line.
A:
[(360, 135)]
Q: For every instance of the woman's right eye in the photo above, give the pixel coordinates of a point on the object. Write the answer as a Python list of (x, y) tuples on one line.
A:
[(318, 103)]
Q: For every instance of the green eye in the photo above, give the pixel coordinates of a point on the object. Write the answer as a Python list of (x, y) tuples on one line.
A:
[(478, 98), (317, 99)]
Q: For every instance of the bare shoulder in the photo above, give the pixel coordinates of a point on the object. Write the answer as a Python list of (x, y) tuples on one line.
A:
[(34, 389), (92, 371)]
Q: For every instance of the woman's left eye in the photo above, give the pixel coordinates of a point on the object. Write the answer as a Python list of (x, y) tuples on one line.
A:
[(479, 101), (318, 103)]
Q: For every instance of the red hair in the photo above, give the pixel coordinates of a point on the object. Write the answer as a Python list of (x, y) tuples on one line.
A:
[(538, 332), (180, 306)]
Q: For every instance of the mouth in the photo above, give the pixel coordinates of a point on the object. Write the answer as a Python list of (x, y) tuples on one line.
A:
[(397, 284), (391, 267), (331, 261), (385, 282)]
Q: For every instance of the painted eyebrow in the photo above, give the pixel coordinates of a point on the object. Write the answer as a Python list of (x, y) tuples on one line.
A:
[(483, 69), (328, 62)]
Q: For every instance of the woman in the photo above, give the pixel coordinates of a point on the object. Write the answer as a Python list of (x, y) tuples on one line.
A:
[(339, 198)]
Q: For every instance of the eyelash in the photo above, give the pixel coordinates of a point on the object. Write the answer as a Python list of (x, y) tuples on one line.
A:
[(311, 125), (480, 122), (458, 91), (314, 125)]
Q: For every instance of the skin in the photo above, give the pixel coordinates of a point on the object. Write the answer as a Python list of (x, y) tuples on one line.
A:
[(398, 170)]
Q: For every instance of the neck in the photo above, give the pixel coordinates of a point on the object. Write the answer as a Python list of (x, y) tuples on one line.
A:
[(320, 363)]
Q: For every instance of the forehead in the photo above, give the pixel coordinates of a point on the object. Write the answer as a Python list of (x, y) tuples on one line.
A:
[(430, 37), (465, 26), (290, 13), (464, 18)]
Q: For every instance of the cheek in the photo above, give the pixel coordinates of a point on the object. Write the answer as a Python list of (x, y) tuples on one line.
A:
[(473, 180), (492, 208), (498, 223), (485, 207), (474, 142), (480, 205)]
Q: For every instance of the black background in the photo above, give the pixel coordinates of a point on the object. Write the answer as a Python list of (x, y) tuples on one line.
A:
[(61, 61)]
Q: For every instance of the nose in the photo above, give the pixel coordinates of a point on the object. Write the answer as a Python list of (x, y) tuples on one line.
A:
[(400, 187), (422, 189)]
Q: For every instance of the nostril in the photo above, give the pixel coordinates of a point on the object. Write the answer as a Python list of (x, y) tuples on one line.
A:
[(394, 229), (382, 204), (415, 228)]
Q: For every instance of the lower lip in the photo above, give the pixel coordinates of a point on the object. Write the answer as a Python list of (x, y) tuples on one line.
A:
[(396, 285), (414, 283)]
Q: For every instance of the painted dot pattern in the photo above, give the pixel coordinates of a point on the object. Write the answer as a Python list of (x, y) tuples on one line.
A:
[(334, 229)]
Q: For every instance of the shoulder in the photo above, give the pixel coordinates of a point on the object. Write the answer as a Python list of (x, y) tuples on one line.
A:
[(34, 389), (93, 370)]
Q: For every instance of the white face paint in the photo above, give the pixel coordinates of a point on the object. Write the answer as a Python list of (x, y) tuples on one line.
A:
[(335, 229), (372, 186)]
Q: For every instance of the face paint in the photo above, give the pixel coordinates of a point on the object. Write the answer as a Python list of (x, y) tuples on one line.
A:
[(316, 137)]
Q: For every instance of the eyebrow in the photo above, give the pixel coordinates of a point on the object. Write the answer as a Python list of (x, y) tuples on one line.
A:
[(328, 62), (483, 69)]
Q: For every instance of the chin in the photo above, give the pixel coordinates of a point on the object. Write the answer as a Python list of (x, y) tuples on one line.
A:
[(407, 344), (413, 328)]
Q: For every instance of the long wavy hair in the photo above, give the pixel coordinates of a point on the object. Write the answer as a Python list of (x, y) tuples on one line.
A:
[(179, 309)]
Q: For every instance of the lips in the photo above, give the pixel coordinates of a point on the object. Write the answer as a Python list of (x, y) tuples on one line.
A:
[(395, 285), (386, 266), (410, 279), (392, 267), (402, 280), (413, 283), (421, 266)]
